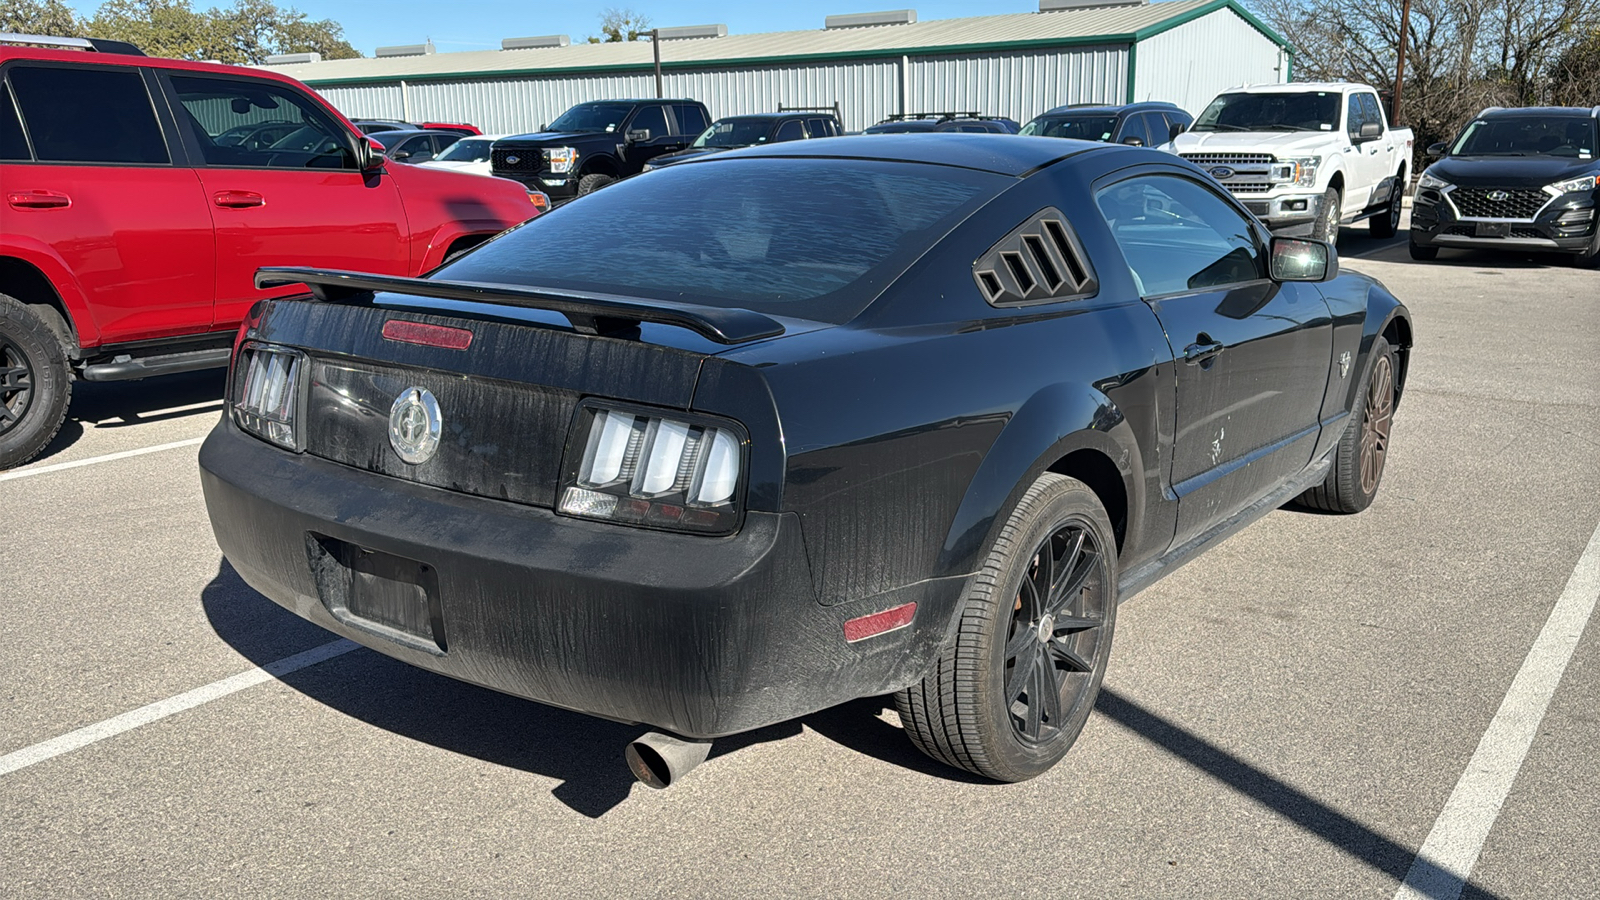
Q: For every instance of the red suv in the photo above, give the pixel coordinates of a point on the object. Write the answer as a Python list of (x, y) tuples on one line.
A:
[(142, 195)]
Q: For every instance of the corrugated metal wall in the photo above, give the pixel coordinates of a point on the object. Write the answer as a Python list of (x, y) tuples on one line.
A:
[(1198, 60), (1015, 84)]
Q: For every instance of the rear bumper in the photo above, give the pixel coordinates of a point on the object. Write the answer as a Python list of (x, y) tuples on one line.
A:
[(699, 636)]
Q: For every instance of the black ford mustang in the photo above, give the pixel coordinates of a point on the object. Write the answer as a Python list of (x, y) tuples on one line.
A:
[(830, 419)]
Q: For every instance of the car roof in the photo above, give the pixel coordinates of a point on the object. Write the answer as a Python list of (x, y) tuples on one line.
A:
[(1003, 154), (1297, 87), (1574, 112), (1109, 109), (776, 116)]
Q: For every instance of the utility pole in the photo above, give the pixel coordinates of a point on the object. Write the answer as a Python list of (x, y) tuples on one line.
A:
[(1400, 65), (655, 47)]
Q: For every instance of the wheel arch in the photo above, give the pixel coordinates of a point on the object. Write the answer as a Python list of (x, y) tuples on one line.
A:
[(24, 280), (600, 164), (1075, 431)]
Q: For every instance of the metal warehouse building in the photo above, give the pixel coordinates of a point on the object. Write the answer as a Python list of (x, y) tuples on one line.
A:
[(872, 65)]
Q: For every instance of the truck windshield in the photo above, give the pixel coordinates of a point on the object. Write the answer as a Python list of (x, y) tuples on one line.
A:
[(1528, 136), (592, 117), (467, 150), (1271, 111), (1083, 128), (752, 233), (733, 133)]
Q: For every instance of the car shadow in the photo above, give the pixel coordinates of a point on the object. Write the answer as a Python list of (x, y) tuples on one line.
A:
[(1356, 243), (582, 752), (118, 404)]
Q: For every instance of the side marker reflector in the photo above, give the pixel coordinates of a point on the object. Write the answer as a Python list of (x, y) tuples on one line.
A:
[(863, 627)]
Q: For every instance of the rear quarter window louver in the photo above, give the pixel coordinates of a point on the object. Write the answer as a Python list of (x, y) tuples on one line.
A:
[(1040, 261)]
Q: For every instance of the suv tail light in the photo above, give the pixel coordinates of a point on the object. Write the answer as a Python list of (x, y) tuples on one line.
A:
[(640, 468), (267, 389)]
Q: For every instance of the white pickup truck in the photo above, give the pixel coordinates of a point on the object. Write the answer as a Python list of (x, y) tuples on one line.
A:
[(1305, 157)]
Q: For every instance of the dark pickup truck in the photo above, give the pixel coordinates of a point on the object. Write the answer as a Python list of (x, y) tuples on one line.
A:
[(596, 143)]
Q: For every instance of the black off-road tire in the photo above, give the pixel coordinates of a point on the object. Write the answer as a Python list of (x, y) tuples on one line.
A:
[(1328, 215), (1421, 253), (35, 385), (1589, 258), (1386, 223), (964, 712), (588, 184), (1358, 461)]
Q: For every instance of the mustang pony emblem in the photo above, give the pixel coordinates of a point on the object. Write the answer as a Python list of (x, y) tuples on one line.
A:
[(1344, 364), (414, 425)]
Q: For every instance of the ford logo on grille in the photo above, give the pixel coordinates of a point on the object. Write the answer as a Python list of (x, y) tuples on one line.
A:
[(513, 160), (1221, 172), (414, 422), (1498, 196)]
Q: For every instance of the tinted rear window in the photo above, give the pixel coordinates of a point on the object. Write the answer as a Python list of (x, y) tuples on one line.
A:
[(816, 239), (88, 115)]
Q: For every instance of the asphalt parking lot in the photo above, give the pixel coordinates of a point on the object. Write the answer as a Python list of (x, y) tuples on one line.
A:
[(1292, 715)]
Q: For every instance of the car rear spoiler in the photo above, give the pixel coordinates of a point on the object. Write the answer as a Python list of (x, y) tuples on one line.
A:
[(588, 313)]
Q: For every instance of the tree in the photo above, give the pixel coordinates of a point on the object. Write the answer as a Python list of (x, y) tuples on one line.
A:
[(618, 25), (245, 33), (1462, 55), (1576, 78), (51, 17)]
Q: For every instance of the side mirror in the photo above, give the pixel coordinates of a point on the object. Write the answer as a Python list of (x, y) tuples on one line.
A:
[(1371, 131), (369, 156), (1176, 129), (400, 155), (636, 135), (1302, 259), (1133, 141), (1437, 150), (542, 126)]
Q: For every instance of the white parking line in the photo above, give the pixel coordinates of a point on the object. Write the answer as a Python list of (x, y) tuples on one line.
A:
[(1448, 856), (109, 457), (144, 715)]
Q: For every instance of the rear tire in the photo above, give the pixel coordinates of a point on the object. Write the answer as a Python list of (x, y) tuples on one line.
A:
[(1009, 696), (1387, 222), (1363, 450), (1421, 253), (588, 184), (35, 385)]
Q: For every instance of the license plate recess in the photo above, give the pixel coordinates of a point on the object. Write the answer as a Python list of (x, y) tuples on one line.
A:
[(380, 593)]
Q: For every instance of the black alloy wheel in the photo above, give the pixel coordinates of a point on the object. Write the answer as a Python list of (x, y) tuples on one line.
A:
[(1057, 622), (35, 383), (1363, 449), (1009, 695), (16, 384), (1377, 419)]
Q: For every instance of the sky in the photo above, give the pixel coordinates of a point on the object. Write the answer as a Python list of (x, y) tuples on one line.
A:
[(480, 24)]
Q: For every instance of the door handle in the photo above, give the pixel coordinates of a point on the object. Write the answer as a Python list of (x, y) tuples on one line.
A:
[(238, 199), (1203, 350), (38, 199)]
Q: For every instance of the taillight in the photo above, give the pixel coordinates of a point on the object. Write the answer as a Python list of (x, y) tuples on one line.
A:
[(266, 395), (663, 471)]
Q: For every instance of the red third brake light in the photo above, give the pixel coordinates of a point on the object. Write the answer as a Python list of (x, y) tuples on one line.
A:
[(863, 627), (427, 335)]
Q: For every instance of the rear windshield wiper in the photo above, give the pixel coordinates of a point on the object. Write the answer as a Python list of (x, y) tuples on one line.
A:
[(588, 313)]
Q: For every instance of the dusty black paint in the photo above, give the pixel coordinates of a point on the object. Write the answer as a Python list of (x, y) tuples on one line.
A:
[(883, 455)]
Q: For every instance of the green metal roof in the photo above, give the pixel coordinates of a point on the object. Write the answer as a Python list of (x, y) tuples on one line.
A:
[(1015, 31)]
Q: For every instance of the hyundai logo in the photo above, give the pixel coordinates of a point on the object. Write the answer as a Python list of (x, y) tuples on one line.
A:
[(414, 423), (1497, 196), (1221, 172), (513, 160)]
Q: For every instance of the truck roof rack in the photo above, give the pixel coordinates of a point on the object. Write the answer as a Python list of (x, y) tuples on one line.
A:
[(98, 45), (833, 109), (902, 117), (588, 313)]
